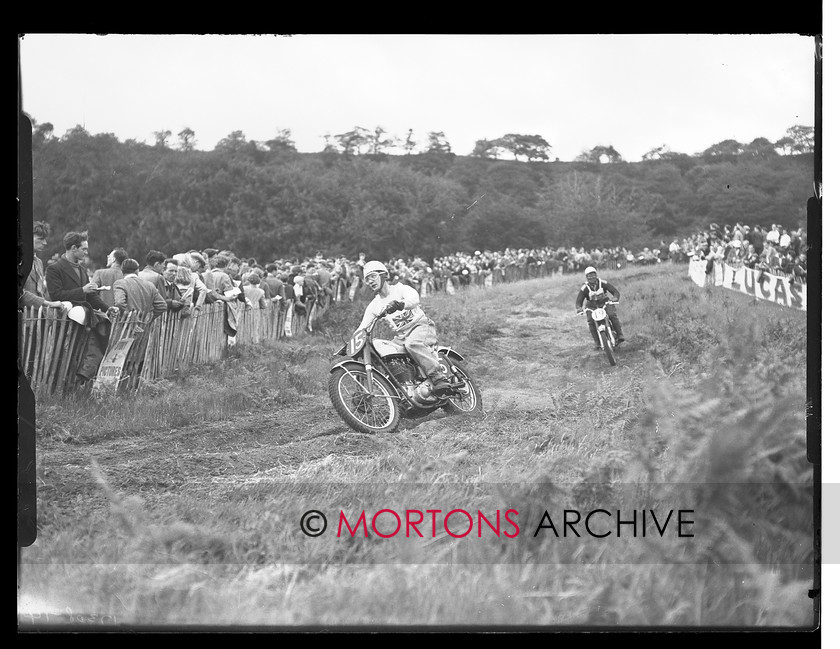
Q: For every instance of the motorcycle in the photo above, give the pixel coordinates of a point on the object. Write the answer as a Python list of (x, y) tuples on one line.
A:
[(379, 383), (606, 335)]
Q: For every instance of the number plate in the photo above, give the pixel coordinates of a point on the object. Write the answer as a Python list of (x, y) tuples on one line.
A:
[(599, 314), (356, 342)]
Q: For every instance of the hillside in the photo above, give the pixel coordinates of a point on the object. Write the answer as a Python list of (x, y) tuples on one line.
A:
[(278, 204), (211, 474)]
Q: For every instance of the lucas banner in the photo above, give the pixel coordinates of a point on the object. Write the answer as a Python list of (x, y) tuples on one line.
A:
[(756, 284)]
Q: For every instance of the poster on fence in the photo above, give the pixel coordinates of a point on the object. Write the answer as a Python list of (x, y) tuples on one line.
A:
[(764, 286), (111, 368), (287, 320), (718, 272)]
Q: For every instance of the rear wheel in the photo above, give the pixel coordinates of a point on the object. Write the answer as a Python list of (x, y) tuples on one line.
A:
[(467, 399), (374, 412)]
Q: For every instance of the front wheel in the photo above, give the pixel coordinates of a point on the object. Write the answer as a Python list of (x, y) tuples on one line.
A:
[(467, 398), (374, 412), (608, 347)]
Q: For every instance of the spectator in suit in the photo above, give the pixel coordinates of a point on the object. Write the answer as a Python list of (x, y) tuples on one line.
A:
[(35, 292), (275, 284), (67, 281), (800, 268), (153, 271), (756, 237), (171, 292), (133, 293), (751, 258), (110, 274)]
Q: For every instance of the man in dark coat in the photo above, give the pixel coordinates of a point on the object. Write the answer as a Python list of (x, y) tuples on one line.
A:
[(67, 281)]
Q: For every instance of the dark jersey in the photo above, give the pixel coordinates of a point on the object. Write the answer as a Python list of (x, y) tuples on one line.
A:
[(596, 296)]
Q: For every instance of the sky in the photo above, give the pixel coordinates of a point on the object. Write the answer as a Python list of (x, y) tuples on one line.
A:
[(633, 92)]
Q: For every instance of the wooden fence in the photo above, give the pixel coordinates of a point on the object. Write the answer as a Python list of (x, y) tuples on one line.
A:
[(51, 345), (141, 348)]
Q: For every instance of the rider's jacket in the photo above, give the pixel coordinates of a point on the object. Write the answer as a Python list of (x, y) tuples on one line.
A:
[(596, 296), (400, 321)]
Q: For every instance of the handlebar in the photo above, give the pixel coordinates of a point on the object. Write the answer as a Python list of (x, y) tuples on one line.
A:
[(586, 308)]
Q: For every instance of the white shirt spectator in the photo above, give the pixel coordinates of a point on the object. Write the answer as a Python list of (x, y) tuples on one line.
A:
[(784, 240)]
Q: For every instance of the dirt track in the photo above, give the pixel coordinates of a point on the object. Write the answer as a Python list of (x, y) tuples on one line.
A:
[(522, 368)]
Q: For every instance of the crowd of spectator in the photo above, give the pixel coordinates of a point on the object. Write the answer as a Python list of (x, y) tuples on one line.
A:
[(187, 280), (775, 250), (184, 282)]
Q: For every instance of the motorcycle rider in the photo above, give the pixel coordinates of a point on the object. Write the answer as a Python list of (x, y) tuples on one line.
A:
[(413, 329), (595, 292)]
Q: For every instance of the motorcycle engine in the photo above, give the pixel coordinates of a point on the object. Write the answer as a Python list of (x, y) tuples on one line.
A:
[(409, 376), (403, 370)]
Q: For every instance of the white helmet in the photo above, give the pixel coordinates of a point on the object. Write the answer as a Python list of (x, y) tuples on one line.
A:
[(374, 267), (590, 269)]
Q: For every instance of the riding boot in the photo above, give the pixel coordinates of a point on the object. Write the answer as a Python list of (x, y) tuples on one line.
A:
[(593, 329)]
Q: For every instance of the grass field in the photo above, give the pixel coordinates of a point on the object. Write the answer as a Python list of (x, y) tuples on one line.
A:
[(181, 505)]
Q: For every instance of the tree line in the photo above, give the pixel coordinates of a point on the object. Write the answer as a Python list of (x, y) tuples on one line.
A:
[(267, 200)]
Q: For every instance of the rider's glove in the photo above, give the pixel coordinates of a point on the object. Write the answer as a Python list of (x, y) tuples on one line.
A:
[(579, 311), (396, 305)]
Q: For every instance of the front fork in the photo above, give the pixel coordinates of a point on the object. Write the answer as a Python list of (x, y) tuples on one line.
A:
[(368, 369), (605, 330)]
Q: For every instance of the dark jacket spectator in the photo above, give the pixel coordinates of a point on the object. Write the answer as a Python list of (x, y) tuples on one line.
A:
[(153, 272), (68, 281), (171, 291), (275, 284)]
